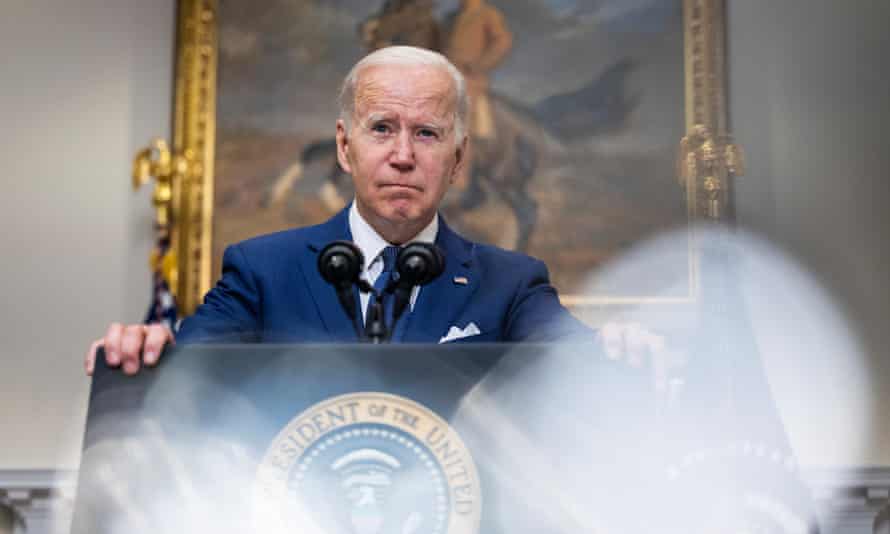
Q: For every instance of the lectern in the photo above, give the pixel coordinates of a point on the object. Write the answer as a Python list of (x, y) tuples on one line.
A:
[(405, 439)]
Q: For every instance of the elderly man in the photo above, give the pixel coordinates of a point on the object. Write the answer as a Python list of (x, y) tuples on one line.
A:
[(402, 136)]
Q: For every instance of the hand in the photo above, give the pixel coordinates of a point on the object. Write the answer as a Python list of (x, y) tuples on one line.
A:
[(629, 342), (639, 347), (130, 346)]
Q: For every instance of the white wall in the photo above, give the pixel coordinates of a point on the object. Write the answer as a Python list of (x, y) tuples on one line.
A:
[(810, 103), (83, 85)]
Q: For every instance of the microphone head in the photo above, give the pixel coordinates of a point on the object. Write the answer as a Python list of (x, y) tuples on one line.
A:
[(419, 264), (340, 262)]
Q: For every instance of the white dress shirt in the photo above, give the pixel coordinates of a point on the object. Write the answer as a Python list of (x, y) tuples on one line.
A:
[(371, 244)]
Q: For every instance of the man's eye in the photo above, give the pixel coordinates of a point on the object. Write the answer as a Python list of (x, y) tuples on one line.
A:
[(427, 133), (380, 128)]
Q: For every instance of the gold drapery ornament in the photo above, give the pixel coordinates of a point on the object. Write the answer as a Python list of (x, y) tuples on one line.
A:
[(705, 167), (158, 162), (169, 171)]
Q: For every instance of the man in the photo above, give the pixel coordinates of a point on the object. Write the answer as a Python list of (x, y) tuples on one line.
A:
[(401, 22), (402, 136), (479, 41)]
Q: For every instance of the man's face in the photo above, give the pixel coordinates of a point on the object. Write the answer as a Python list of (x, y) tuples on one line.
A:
[(400, 149)]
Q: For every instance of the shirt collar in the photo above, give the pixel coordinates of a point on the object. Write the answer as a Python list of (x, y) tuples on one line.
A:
[(371, 244)]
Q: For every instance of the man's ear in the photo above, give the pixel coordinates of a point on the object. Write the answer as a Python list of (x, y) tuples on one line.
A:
[(460, 158), (342, 147)]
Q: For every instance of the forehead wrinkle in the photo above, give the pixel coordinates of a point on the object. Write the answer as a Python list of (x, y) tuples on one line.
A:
[(378, 116), (439, 123), (372, 94), (370, 102)]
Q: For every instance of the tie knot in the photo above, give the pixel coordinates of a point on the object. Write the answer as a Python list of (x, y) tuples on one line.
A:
[(389, 255)]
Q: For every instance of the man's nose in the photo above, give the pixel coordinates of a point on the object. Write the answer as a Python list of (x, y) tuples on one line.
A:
[(402, 157)]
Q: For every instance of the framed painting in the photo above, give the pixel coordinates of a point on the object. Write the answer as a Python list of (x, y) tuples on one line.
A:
[(579, 116)]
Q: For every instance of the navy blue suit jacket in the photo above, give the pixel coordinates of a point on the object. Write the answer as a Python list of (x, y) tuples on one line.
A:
[(271, 291)]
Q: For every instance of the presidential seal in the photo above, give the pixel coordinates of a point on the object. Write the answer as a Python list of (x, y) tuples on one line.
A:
[(368, 463)]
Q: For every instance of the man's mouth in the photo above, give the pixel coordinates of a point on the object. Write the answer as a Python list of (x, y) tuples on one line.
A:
[(398, 186)]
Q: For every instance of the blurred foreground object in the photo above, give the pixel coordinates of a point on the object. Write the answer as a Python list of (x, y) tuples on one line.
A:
[(763, 347), (456, 438), (323, 438)]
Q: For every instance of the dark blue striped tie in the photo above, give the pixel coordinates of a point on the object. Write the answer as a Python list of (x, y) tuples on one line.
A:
[(389, 255)]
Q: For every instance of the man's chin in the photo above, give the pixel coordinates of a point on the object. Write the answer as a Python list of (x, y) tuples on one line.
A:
[(407, 220), (403, 211)]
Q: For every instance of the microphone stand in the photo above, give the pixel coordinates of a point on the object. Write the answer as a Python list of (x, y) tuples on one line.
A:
[(375, 326), (401, 300), (375, 330)]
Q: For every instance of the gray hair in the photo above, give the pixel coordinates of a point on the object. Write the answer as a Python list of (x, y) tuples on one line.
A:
[(407, 56)]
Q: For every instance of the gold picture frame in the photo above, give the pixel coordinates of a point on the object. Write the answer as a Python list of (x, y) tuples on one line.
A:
[(707, 157)]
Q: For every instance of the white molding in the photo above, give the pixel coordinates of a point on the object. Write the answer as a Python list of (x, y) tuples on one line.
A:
[(848, 499), (37, 489), (872, 476), (845, 496), (45, 479), (852, 490)]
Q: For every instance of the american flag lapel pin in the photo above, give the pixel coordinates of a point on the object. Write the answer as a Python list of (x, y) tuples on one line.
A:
[(461, 280)]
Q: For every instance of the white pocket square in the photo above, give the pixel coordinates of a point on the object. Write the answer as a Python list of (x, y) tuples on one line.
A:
[(456, 333)]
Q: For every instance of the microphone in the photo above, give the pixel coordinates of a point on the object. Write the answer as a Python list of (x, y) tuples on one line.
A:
[(417, 264), (340, 264)]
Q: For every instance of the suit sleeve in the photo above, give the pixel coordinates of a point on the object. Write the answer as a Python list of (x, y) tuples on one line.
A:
[(536, 314), (231, 310)]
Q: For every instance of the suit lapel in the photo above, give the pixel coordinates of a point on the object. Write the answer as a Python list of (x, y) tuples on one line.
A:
[(332, 314), (441, 301)]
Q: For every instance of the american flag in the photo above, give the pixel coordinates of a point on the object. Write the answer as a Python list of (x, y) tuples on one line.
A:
[(163, 262)]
